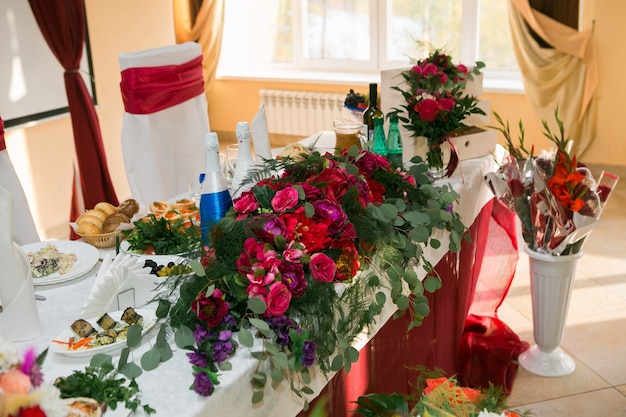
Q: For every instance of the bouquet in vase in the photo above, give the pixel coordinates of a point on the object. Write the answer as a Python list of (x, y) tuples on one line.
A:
[(435, 104), (556, 198)]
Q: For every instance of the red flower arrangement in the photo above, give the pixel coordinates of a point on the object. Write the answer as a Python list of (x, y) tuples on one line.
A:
[(282, 264)]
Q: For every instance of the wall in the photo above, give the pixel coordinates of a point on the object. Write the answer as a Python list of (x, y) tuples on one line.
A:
[(43, 154)]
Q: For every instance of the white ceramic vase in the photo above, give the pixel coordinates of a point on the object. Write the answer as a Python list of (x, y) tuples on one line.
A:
[(551, 284)]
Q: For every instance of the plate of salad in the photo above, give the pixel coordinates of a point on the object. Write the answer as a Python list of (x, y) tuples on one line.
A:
[(158, 236)]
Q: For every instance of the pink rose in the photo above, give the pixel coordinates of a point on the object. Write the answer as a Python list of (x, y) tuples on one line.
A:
[(462, 69), (277, 300), (322, 267), (428, 109), (285, 199), (14, 382), (246, 204), (430, 69)]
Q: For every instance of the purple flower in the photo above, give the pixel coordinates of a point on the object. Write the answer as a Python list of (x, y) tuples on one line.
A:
[(332, 212), (29, 367), (266, 226), (197, 358), (222, 350), (200, 334), (293, 277), (202, 384), (308, 353), (229, 320), (449, 208)]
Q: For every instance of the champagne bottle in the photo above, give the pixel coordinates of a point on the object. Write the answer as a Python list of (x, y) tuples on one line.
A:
[(379, 145), (215, 199), (394, 143), (244, 159), (371, 113)]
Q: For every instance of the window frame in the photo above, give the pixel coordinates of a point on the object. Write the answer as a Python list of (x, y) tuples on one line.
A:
[(336, 71)]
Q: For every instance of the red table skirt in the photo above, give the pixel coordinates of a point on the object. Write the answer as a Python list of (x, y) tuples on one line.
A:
[(387, 363)]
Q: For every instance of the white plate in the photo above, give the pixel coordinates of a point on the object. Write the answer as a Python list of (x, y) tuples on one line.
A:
[(86, 257), (149, 320)]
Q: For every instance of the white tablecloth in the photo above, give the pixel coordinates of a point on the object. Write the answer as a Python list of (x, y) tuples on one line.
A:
[(167, 388)]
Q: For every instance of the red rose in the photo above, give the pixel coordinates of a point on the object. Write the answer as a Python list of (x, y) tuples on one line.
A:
[(211, 309), (32, 411), (312, 234), (322, 267), (277, 300), (447, 103), (285, 199), (429, 69), (427, 109)]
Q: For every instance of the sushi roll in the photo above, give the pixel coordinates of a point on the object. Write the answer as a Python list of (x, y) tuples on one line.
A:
[(106, 322), (130, 316), (82, 328)]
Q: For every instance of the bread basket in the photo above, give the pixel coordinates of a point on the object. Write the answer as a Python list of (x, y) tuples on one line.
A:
[(103, 240)]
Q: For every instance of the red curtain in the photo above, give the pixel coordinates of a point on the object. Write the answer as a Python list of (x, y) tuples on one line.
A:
[(62, 23)]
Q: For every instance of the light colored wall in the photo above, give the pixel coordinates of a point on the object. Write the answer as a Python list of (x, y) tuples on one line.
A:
[(43, 154)]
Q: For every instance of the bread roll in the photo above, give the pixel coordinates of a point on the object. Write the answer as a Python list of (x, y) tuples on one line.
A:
[(108, 208), (129, 207), (97, 213), (87, 228), (88, 218), (113, 221)]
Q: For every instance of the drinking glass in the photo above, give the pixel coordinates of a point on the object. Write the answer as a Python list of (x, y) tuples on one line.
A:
[(232, 151)]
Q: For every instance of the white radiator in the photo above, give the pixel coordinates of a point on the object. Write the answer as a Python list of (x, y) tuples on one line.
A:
[(301, 113)]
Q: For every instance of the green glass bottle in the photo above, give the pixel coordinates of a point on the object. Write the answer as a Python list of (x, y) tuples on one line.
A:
[(394, 143), (372, 113), (379, 146)]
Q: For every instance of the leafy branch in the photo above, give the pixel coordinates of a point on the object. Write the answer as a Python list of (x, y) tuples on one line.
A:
[(518, 151)]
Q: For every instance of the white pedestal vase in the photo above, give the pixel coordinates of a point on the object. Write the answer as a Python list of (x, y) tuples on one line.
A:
[(551, 283)]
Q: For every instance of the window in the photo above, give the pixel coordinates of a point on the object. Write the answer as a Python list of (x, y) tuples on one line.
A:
[(353, 40)]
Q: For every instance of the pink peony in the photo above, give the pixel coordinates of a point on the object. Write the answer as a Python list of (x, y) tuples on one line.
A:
[(322, 267), (246, 204)]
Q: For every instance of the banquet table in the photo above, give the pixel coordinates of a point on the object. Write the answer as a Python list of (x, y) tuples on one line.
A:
[(387, 351)]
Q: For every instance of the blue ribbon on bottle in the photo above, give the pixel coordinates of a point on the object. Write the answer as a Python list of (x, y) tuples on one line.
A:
[(213, 206)]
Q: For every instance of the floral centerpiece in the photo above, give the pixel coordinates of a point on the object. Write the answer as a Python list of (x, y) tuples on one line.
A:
[(556, 198), (440, 397), (22, 389), (435, 104), (305, 261)]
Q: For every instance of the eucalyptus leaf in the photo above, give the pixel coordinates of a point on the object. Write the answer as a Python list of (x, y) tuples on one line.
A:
[(166, 352), (131, 370), (420, 234), (197, 268), (337, 363), (309, 210), (389, 211), (257, 397), (351, 354), (245, 337), (225, 366), (402, 302), (100, 359), (277, 375), (259, 324), (306, 376), (308, 390), (183, 337), (352, 169), (435, 243), (432, 283), (133, 337), (256, 305), (421, 309), (259, 379), (163, 309), (151, 359)]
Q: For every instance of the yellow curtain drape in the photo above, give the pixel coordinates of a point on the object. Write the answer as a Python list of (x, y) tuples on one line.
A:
[(207, 29), (566, 76)]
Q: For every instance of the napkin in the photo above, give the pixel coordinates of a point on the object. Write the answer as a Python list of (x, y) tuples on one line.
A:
[(260, 135), (124, 283), (19, 320)]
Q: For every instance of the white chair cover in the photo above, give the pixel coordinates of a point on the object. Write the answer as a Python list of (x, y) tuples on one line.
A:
[(24, 230), (164, 150)]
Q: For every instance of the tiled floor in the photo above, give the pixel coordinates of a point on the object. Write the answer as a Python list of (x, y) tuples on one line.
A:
[(595, 335)]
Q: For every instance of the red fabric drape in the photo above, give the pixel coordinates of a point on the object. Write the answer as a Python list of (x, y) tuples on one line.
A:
[(148, 90), (62, 23), (388, 362)]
